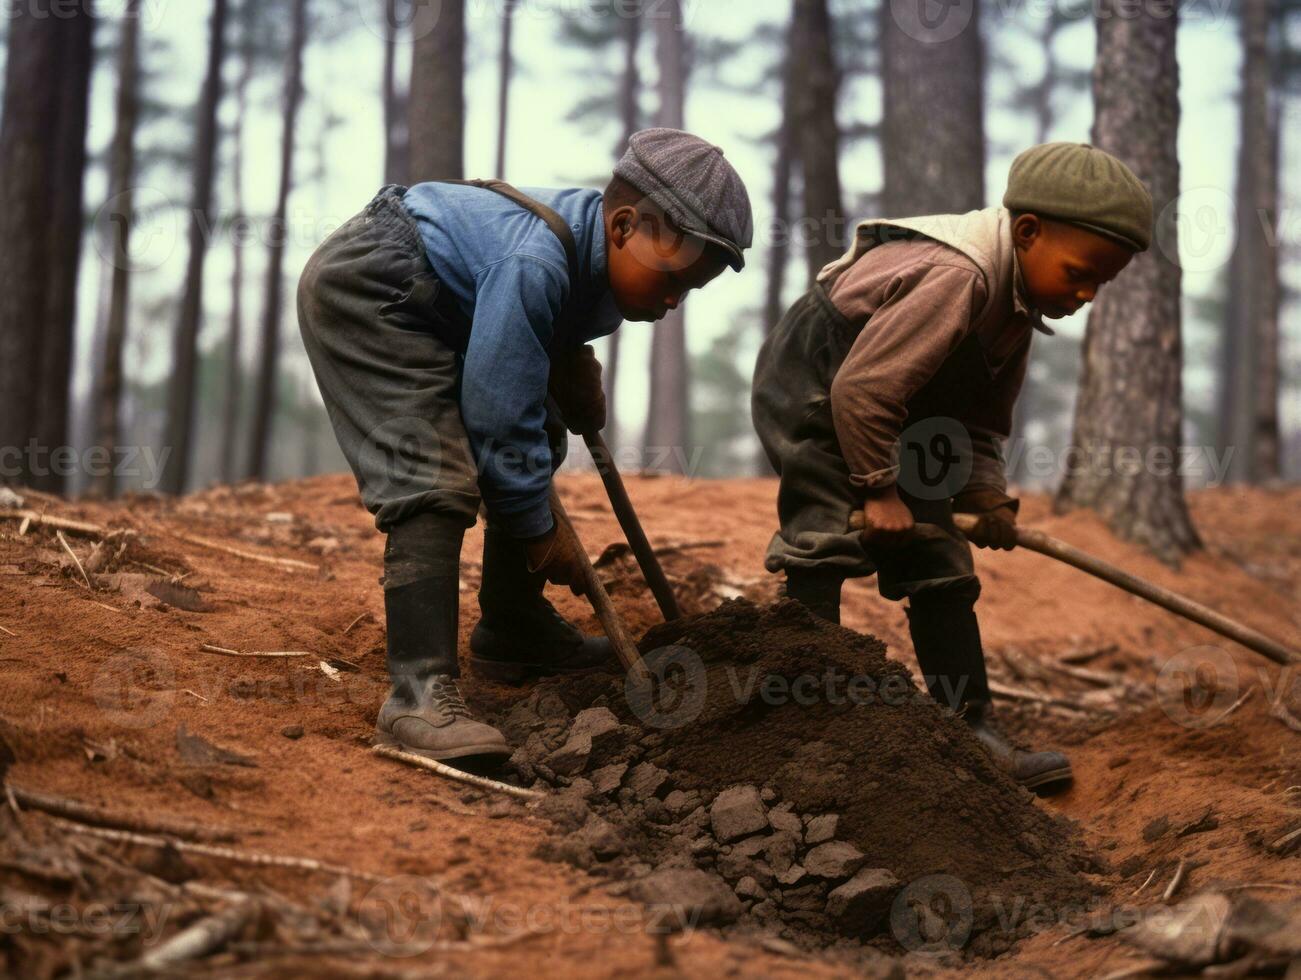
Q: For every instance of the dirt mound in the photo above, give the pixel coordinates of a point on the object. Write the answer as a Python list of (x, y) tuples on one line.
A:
[(790, 758)]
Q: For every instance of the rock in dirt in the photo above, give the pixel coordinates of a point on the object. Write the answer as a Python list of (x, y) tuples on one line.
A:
[(834, 859), (860, 904), (688, 896), (646, 779), (608, 778), (821, 828), (1190, 934), (294, 732), (571, 758), (737, 811)]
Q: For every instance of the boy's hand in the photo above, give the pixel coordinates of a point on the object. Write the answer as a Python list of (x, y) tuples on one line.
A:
[(996, 518), (576, 387), (556, 555), (887, 521)]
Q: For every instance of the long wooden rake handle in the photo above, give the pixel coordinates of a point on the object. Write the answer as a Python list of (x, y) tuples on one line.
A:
[(1046, 544)]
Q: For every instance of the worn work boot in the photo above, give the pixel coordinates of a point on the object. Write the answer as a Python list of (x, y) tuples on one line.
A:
[(521, 635), (817, 589), (425, 713), (430, 718), (1046, 773)]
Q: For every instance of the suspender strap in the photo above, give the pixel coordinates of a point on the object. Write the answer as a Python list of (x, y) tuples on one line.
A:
[(559, 227)]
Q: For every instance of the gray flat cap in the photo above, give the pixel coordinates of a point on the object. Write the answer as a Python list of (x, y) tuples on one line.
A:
[(699, 190)]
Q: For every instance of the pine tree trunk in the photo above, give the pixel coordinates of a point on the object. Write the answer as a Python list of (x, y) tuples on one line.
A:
[(630, 114), (784, 144), (185, 353), (235, 334), (668, 415), (264, 403), (505, 68), (66, 232), (436, 99), (396, 138), (932, 123), (120, 195), (27, 156), (818, 136), (1129, 413), (1249, 395)]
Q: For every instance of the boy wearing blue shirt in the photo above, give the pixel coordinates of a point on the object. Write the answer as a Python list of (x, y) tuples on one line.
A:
[(437, 322)]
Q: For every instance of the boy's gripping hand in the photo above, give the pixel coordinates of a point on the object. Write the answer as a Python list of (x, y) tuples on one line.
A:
[(576, 386), (887, 521), (556, 555), (996, 527)]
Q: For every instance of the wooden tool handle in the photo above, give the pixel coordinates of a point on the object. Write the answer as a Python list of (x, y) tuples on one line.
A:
[(626, 650), (1045, 544)]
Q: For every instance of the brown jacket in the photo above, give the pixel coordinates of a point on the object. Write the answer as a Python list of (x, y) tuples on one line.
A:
[(945, 330)]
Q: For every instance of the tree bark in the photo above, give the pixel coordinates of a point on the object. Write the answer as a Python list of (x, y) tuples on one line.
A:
[(436, 99), (784, 141), (269, 355), (668, 412), (122, 168), (1249, 382), (396, 137), (67, 224), (932, 125), (27, 155), (235, 335), (630, 115), (818, 133), (185, 352), (505, 69), (1129, 413)]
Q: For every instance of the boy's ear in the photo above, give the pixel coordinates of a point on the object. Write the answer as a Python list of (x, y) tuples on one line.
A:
[(623, 224), (1026, 228)]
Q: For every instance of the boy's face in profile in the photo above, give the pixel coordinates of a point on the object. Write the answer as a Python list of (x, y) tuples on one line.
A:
[(1064, 265), (653, 265)]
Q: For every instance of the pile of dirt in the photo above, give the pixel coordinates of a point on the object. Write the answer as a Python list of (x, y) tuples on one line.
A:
[(790, 759)]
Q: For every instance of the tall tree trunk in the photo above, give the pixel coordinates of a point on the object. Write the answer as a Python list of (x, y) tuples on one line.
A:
[(269, 356), (436, 99), (784, 140), (122, 167), (1131, 397), (235, 334), (28, 151), (932, 124), (185, 353), (630, 115), (505, 68), (668, 413), (66, 232), (396, 137), (1248, 397), (1268, 460), (816, 99)]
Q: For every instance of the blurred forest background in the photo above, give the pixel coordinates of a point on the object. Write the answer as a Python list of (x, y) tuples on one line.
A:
[(166, 168)]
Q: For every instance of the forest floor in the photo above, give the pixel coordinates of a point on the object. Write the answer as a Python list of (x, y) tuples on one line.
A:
[(108, 698)]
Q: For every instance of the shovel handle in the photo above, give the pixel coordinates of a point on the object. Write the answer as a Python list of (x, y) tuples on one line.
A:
[(624, 648), (1046, 544)]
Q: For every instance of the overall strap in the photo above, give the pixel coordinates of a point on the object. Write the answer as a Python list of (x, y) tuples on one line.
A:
[(559, 227)]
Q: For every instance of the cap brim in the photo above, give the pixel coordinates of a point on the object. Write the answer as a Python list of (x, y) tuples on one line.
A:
[(735, 257)]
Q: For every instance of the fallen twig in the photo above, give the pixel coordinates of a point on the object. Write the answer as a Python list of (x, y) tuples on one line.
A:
[(1087, 654), (482, 782), (1238, 703), (355, 622), (1247, 886), (1147, 881), (86, 814), (250, 556), (29, 517), (1285, 840), (203, 937), (1279, 710), (1176, 881), (226, 652), (7, 632), (75, 560), (222, 853)]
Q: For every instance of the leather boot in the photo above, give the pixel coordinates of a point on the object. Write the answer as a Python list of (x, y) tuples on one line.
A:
[(425, 713), (818, 589), (521, 635), (1046, 773)]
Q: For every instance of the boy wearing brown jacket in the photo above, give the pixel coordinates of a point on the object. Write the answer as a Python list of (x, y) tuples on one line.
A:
[(887, 388)]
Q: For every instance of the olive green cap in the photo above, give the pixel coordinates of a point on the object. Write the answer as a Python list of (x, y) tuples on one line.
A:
[(1080, 184)]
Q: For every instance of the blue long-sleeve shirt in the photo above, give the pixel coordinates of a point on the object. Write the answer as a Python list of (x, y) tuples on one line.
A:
[(509, 276)]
